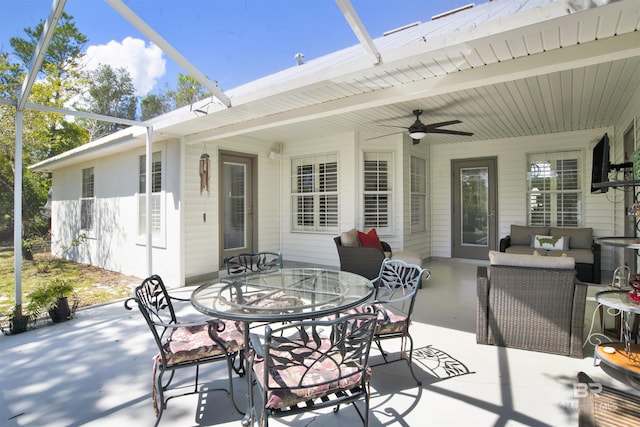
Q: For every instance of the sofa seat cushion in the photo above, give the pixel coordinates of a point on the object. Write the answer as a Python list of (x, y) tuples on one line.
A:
[(521, 234), (582, 256), (525, 250)]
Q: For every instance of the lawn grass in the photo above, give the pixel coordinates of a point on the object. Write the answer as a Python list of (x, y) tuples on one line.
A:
[(93, 285)]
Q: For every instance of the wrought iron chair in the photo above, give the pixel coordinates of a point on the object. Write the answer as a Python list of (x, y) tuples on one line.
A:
[(313, 364), (253, 263), (393, 300), (182, 345)]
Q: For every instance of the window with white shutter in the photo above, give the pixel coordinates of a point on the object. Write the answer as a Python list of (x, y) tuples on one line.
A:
[(418, 194), (314, 193), (156, 195), (555, 189), (377, 198), (87, 201)]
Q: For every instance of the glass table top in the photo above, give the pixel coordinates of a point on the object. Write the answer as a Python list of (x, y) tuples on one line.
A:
[(287, 294)]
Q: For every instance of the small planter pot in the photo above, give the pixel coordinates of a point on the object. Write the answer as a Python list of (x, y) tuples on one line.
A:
[(18, 325), (61, 311)]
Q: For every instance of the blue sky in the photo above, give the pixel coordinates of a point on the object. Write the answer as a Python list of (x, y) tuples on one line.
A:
[(231, 41)]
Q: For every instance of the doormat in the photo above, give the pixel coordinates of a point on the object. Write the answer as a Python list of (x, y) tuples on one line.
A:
[(439, 363)]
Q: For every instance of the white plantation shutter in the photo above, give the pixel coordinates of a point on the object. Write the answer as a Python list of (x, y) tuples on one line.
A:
[(555, 189), (418, 194), (314, 184), (377, 191), (87, 201), (156, 195)]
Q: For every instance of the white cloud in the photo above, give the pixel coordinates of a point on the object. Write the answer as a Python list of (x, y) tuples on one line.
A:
[(144, 63)]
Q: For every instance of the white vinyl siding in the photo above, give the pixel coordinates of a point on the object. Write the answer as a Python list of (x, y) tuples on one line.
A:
[(418, 194), (554, 193), (378, 187), (87, 201), (314, 186)]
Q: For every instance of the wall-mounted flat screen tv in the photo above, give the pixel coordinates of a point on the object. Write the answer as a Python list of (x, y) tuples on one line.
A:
[(600, 167)]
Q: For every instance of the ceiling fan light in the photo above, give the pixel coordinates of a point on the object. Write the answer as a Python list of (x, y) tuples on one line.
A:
[(417, 134)]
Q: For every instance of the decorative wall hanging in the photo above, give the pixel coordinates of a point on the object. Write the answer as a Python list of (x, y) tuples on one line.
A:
[(204, 173), (205, 167)]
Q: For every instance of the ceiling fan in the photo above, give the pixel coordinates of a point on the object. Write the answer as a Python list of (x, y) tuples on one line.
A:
[(419, 130)]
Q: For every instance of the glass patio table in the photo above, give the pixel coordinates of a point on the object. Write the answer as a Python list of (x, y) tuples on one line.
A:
[(283, 295), (288, 294)]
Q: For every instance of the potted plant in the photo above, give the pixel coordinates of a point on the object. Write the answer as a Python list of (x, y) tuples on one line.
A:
[(18, 320), (53, 297)]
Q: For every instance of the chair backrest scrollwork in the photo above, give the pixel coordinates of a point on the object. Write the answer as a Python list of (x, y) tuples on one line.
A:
[(253, 262)]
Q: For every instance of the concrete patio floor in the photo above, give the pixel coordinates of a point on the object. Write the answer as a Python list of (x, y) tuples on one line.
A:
[(95, 370)]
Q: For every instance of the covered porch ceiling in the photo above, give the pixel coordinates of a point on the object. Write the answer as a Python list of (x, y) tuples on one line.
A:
[(551, 68), (505, 68)]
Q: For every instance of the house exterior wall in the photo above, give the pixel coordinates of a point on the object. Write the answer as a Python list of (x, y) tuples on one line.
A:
[(114, 243), (318, 247), (201, 238), (512, 182)]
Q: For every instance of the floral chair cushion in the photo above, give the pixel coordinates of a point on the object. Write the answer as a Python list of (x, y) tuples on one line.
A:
[(291, 385), (190, 343), (394, 322)]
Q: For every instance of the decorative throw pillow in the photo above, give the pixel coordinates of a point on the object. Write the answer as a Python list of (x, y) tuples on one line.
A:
[(370, 239), (350, 238), (552, 243)]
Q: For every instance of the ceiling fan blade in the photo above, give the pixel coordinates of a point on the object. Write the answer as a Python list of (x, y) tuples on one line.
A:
[(391, 126), (382, 136), (437, 125), (450, 132)]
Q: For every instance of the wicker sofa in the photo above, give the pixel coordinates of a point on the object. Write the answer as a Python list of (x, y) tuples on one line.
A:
[(578, 244), (531, 302)]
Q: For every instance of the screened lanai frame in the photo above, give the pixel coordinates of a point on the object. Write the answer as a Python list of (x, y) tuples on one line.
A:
[(21, 104)]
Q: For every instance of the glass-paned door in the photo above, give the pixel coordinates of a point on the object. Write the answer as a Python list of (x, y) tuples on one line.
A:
[(474, 208), (236, 205)]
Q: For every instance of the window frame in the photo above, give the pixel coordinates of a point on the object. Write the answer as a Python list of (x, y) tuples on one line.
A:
[(311, 186), (87, 194), (556, 190), (418, 196), (380, 192), (158, 205)]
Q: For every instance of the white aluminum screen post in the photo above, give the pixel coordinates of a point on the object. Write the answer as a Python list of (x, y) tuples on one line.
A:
[(149, 161), (17, 211)]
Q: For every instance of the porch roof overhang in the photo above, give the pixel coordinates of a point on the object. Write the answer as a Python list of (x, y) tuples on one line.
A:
[(506, 69)]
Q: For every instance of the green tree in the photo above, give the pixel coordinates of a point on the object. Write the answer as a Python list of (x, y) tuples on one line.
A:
[(154, 105), (111, 92), (10, 77), (189, 91), (45, 134), (61, 64)]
